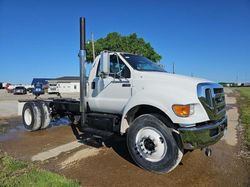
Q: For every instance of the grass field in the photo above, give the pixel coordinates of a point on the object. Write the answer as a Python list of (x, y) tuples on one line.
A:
[(244, 102), (18, 173)]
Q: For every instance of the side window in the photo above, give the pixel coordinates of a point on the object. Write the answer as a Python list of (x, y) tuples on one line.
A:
[(117, 67)]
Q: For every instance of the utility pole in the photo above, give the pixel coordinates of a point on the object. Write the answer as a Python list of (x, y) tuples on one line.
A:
[(93, 46), (173, 68)]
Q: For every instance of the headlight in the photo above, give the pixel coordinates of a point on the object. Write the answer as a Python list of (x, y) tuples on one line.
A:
[(183, 110)]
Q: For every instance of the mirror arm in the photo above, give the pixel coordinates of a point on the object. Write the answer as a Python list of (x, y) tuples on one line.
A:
[(103, 75)]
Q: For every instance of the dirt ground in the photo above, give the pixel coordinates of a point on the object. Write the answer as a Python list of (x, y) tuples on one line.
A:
[(56, 149)]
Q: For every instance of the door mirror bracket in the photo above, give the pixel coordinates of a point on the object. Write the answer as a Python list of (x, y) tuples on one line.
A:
[(103, 75)]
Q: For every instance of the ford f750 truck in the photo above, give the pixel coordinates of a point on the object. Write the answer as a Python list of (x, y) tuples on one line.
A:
[(162, 115)]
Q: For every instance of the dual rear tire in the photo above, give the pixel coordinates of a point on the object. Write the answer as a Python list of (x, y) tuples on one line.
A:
[(36, 115)]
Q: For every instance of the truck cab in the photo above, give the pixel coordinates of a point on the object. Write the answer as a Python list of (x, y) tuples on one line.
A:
[(38, 89)]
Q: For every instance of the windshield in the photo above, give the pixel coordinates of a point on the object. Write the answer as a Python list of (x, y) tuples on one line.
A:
[(141, 63), (38, 85)]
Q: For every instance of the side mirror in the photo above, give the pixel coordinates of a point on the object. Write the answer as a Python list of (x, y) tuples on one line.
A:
[(105, 63)]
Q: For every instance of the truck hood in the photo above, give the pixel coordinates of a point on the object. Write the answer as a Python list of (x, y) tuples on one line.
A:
[(164, 76), (179, 87)]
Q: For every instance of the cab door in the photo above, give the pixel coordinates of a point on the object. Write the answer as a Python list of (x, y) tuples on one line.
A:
[(111, 92)]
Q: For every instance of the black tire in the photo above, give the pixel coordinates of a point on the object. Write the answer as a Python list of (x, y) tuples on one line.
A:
[(146, 136), (45, 114), (32, 116)]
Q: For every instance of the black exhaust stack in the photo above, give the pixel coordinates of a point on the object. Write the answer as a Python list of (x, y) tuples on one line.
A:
[(82, 58)]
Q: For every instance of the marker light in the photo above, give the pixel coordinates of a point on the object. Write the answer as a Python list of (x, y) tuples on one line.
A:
[(183, 110)]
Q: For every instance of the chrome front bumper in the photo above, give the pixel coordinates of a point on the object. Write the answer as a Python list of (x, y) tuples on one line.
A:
[(203, 135)]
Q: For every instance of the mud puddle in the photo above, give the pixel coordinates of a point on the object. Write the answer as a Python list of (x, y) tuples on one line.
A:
[(11, 128), (18, 142)]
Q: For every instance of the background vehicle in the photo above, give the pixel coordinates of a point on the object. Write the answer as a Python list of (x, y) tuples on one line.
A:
[(38, 89), (161, 115), (53, 88), (10, 88), (19, 90)]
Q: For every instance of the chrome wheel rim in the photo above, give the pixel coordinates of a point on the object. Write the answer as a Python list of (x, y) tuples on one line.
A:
[(150, 144), (27, 117)]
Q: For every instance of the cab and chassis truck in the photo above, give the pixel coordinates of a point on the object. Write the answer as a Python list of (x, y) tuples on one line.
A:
[(162, 115)]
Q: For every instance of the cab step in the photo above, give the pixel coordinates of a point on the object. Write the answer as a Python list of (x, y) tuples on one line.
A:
[(97, 132)]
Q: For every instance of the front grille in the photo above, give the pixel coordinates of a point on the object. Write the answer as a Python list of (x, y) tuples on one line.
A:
[(208, 96), (212, 98)]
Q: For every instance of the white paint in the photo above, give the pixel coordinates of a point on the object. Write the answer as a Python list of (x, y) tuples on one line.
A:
[(55, 151), (109, 95)]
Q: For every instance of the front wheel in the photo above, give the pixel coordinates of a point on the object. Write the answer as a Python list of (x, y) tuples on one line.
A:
[(152, 145)]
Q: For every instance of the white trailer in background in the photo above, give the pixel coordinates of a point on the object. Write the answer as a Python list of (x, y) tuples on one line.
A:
[(67, 84)]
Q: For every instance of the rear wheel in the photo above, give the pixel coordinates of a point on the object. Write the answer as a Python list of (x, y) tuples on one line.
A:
[(152, 145), (45, 114), (31, 116)]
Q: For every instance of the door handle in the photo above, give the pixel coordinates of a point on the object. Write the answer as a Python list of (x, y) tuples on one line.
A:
[(126, 85)]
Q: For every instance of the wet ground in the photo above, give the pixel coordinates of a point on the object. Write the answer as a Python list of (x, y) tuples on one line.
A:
[(56, 149)]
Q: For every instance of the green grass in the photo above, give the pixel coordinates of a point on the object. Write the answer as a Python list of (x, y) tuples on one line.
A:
[(244, 102), (18, 173)]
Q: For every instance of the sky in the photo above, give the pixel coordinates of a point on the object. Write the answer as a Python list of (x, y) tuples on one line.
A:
[(203, 38)]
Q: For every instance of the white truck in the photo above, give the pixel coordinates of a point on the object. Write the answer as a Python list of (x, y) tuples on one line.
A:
[(162, 115)]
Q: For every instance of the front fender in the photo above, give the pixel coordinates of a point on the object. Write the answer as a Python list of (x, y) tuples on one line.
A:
[(164, 102)]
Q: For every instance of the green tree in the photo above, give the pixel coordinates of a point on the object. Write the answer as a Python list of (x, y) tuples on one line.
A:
[(130, 44)]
